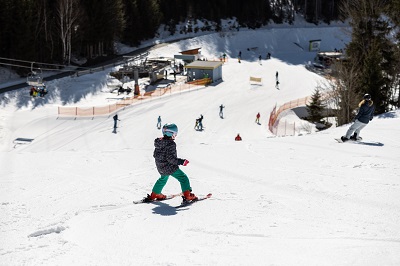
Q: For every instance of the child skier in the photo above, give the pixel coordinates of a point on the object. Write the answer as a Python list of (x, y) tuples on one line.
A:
[(258, 118), (168, 163)]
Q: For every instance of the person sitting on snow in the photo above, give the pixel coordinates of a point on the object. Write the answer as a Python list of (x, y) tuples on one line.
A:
[(238, 137)]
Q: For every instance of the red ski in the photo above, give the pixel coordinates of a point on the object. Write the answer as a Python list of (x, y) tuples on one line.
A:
[(147, 200), (190, 202)]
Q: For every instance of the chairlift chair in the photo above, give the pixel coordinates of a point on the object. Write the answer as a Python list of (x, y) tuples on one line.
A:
[(35, 78)]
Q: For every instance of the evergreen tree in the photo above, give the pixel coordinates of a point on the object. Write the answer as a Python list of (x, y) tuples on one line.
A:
[(316, 107), (152, 17), (103, 21), (6, 36), (370, 51), (134, 21), (21, 35), (393, 11)]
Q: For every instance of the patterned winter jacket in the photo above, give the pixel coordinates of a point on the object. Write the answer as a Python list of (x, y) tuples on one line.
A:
[(165, 156), (366, 111)]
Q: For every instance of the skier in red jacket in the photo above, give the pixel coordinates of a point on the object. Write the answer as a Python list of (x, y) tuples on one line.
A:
[(258, 118)]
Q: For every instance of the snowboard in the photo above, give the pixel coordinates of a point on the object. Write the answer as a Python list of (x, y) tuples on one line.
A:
[(350, 140), (145, 199), (186, 203)]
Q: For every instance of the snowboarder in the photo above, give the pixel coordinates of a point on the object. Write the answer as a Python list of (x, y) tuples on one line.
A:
[(159, 122), (221, 108), (115, 117), (276, 75), (259, 59), (167, 164), (364, 115), (238, 137), (239, 56), (200, 124), (258, 118), (277, 84)]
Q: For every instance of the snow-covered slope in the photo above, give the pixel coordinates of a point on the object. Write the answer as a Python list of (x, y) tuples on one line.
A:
[(65, 198)]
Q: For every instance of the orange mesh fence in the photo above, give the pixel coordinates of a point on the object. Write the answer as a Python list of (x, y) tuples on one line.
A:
[(285, 129), (104, 110), (67, 111), (85, 111), (165, 90), (125, 102), (220, 59), (108, 109), (204, 81)]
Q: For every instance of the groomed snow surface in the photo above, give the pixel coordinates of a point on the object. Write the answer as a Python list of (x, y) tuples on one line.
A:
[(66, 196)]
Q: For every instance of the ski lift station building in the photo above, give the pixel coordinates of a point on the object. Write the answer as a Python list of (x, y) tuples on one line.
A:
[(204, 69)]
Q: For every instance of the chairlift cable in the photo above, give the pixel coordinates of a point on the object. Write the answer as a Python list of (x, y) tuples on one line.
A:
[(47, 69), (30, 62), (37, 63)]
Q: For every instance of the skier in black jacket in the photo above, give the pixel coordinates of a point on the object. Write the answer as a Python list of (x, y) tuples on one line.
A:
[(168, 163), (364, 115)]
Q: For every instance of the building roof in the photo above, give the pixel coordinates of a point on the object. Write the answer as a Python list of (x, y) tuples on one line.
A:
[(204, 64), (191, 51)]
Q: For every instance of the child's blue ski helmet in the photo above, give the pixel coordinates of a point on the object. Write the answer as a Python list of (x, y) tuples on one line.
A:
[(170, 130)]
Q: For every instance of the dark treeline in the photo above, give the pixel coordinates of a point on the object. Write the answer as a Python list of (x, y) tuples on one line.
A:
[(52, 31), (372, 62), (55, 31)]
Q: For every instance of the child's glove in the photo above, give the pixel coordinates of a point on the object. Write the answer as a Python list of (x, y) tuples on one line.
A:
[(183, 162)]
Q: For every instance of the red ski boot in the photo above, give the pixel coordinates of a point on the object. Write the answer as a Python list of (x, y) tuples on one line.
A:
[(155, 196), (188, 196)]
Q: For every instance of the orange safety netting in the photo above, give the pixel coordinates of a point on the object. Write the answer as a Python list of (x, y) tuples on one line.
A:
[(274, 118), (108, 109)]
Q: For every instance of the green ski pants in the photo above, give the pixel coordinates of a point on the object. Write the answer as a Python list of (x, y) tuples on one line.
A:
[(179, 175)]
